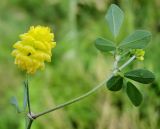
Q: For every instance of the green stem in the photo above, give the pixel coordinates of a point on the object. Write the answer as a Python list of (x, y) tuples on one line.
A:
[(29, 124), (71, 101), (127, 63), (86, 94), (28, 103), (28, 98)]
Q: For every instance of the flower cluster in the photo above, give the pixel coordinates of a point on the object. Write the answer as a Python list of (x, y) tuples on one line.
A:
[(139, 53), (34, 49)]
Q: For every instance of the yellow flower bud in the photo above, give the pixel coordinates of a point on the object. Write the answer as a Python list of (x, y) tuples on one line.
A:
[(139, 53), (34, 49)]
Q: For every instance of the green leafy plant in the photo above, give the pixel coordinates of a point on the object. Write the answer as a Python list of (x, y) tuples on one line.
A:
[(135, 43), (128, 50)]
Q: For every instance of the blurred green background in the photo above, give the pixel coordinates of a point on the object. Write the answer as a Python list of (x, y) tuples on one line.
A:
[(76, 65)]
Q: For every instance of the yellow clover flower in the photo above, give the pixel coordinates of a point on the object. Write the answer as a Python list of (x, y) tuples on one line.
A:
[(34, 49), (139, 53)]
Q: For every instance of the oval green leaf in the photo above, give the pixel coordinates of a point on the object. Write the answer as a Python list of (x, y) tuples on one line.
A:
[(115, 83), (114, 18), (140, 75), (137, 40), (14, 102), (134, 94), (104, 45)]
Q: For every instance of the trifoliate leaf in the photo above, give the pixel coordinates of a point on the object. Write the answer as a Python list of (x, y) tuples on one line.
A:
[(104, 45), (137, 40), (114, 18), (134, 94), (115, 83), (140, 75), (14, 102)]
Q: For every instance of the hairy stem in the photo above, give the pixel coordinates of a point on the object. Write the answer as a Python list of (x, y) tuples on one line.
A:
[(86, 94)]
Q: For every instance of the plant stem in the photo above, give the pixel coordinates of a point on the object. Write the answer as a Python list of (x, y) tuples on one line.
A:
[(28, 98), (28, 103), (86, 94), (29, 124), (128, 62), (71, 101), (117, 59)]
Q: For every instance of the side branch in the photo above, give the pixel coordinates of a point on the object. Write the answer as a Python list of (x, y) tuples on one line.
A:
[(86, 94)]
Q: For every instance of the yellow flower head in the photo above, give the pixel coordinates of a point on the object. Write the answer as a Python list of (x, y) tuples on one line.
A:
[(34, 49), (139, 53)]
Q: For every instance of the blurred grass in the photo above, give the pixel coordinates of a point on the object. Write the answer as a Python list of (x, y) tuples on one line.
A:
[(76, 65)]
